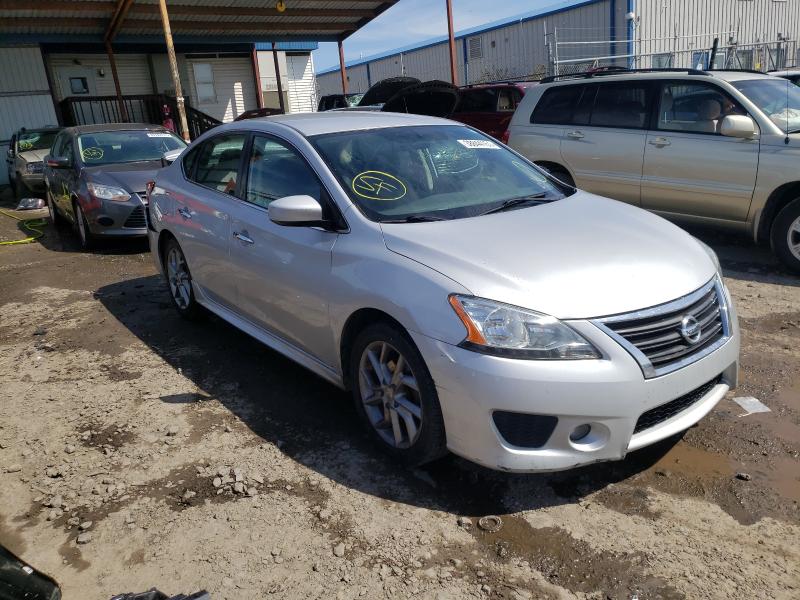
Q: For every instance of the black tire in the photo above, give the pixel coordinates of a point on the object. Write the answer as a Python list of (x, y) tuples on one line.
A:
[(55, 217), (430, 441), (186, 304), (785, 234), (85, 237)]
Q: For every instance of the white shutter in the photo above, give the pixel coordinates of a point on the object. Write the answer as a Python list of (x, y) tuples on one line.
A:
[(302, 86)]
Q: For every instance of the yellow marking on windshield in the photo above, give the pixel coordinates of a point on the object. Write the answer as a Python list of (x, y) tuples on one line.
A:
[(378, 185), (92, 153)]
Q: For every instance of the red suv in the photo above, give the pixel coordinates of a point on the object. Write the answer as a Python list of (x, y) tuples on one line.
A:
[(489, 107)]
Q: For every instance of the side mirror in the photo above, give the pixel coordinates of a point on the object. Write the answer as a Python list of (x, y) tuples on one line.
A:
[(739, 126), (58, 163), (171, 156), (297, 211)]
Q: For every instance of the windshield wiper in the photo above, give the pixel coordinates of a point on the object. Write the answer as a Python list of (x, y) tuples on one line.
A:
[(512, 202), (414, 219)]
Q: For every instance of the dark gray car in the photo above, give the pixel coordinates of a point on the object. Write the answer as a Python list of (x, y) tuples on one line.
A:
[(96, 177)]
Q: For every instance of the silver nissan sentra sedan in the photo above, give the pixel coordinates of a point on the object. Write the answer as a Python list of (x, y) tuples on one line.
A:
[(469, 301)]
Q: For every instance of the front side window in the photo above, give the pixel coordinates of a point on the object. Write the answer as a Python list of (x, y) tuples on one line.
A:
[(694, 107), (275, 170), (430, 172), (218, 162), (622, 104), (204, 83), (125, 146), (777, 99)]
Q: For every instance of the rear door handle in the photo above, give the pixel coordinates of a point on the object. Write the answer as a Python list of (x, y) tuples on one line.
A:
[(659, 142), (242, 237), (575, 135), (185, 213)]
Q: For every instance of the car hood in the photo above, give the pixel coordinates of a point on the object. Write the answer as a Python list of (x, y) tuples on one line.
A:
[(581, 257), (34, 155), (133, 176)]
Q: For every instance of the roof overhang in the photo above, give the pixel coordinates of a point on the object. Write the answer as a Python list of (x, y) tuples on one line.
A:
[(192, 22)]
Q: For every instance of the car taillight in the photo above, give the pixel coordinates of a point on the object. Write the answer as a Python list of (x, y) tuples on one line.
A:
[(506, 135)]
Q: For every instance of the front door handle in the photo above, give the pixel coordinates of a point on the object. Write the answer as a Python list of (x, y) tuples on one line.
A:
[(575, 135), (185, 213), (659, 142), (242, 237)]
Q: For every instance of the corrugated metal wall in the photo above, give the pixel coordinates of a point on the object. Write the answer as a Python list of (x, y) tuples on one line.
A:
[(24, 95), (233, 84), (512, 51), (301, 88)]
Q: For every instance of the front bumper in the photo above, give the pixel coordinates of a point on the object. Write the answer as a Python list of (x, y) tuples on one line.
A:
[(107, 218), (609, 394)]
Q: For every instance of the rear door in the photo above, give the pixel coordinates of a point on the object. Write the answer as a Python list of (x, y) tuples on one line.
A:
[(282, 273), (604, 143), (201, 217), (689, 168)]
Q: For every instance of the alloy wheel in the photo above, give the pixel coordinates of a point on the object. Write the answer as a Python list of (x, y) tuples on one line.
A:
[(179, 279), (390, 393), (793, 238)]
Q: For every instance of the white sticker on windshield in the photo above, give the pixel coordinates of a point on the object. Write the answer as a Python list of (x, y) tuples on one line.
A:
[(482, 144), (169, 135)]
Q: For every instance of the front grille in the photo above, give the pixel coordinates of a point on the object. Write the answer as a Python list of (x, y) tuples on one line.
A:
[(136, 220), (659, 414), (524, 430), (654, 336)]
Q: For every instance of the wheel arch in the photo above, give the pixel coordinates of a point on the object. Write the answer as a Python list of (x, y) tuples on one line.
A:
[(356, 323), (163, 237), (777, 200)]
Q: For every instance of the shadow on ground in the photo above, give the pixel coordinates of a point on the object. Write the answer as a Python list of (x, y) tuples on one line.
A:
[(316, 424)]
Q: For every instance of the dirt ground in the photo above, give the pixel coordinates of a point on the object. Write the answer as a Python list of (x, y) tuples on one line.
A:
[(139, 450)]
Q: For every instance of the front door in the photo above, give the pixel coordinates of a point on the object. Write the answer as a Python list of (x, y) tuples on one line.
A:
[(282, 272), (689, 168), (604, 146)]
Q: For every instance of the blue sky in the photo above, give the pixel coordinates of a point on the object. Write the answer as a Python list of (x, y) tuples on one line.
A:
[(411, 21)]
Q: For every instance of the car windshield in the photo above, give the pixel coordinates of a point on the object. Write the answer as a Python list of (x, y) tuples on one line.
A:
[(35, 140), (430, 172), (109, 147), (777, 98)]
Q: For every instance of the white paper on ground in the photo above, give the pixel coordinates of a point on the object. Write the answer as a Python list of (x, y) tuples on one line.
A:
[(751, 405)]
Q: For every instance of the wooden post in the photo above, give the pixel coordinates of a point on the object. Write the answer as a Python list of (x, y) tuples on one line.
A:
[(452, 41), (281, 103), (257, 75), (342, 68), (123, 112), (173, 67)]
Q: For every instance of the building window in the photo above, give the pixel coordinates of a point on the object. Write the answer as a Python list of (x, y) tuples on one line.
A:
[(78, 85), (204, 83), (475, 48), (662, 61)]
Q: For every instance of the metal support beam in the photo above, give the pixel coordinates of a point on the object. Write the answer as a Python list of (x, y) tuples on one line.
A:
[(342, 68), (173, 67), (281, 103), (123, 112), (257, 76), (452, 42), (120, 12)]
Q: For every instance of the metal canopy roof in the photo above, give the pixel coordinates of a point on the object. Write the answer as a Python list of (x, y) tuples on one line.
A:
[(219, 21)]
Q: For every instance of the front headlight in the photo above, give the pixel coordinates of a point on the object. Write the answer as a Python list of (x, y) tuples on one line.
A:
[(34, 167), (108, 192), (504, 330)]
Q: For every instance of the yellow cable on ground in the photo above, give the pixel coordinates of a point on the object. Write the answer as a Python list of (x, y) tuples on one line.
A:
[(30, 225)]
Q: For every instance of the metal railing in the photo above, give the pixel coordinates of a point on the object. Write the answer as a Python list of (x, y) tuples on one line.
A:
[(143, 108)]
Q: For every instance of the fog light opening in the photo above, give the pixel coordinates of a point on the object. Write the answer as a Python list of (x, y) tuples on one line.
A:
[(105, 221), (580, 432)]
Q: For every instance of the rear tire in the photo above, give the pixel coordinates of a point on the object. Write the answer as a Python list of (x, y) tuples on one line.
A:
[(395, 396), (179, 280), (785, 235), (85, 236)]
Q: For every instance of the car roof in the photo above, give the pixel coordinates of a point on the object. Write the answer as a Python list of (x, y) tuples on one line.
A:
[(37, 129), (309, 124), (724, 75), (501, 84), (115, 127)]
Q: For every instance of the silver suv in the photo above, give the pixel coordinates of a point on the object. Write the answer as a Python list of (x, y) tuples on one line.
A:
[(714, 147)]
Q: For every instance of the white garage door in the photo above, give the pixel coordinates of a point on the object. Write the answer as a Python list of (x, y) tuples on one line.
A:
[(222, 87)]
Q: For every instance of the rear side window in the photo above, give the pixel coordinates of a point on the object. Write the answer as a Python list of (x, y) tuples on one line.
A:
[(622, 104), (557, 105), (481, 100), (217, 163)]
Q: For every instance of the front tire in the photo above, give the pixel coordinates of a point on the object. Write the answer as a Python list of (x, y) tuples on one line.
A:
[(179, 279), (395, 396), (785, 235), (82, 225), (55, 218)]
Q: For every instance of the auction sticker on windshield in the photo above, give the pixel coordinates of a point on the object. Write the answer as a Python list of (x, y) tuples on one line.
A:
[(479, 144), (377, 185), (160, 135)]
